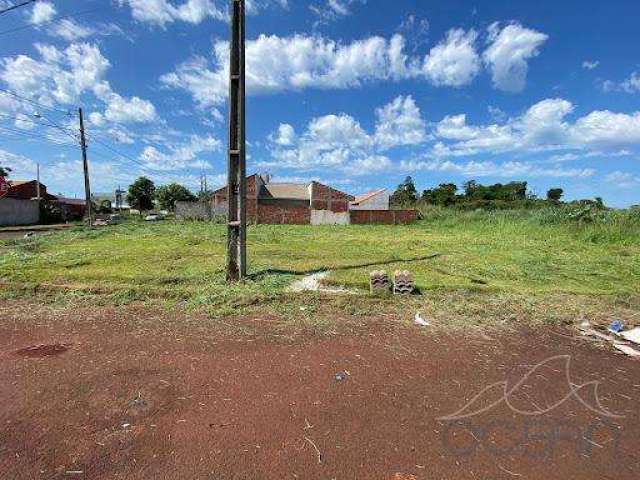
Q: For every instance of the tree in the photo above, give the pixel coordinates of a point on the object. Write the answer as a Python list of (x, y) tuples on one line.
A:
[(555, 194), (406, 193), (4, 171), (168, 195), (141, 194), (444, 195)]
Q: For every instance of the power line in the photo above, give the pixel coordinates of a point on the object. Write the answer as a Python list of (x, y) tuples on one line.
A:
[(130, 159), (13, 7), (22, 135), (57, 19), (34, 103)]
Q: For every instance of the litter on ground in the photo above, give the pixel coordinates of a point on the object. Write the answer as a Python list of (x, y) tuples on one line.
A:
[(616, 328), (627, 350), (632, 335), (418, 320)]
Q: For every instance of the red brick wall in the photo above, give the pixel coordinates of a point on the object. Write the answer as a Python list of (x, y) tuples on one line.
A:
[(252, 189), (387, 217), (26, 191), (280, 215), (327, 198)]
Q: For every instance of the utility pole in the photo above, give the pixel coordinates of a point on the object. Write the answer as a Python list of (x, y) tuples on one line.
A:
[(237, 184), (85, 166), (38, 181)]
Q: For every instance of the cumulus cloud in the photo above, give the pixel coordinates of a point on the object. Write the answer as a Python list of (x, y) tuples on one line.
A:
[(293, 63), (400, 123), (163, 12), (42, 12), (453, 62), (277, 64), (544, 126), (510, 48), (340, 141), (61, 76), (180, 155), (286, 135)]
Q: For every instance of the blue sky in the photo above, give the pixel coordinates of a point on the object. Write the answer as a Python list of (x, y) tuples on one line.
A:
[(355, 93)]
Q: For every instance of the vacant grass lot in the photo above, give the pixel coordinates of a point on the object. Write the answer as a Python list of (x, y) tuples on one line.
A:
[(498, 265)]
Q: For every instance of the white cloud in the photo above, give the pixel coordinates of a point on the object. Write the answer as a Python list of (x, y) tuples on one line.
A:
[(632, 84), (602, 128), (62, 76), (331, 10), (400, 123), (340, 142), (163, 12), (590, 64), (453, 62), (71, 30), (509, 50), (623, 179), (544, 126), (277, 64), (286, 135), (42, 12), (180, 155), (495, 169)]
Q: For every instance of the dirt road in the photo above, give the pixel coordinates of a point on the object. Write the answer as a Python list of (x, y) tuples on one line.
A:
[(132, 393)]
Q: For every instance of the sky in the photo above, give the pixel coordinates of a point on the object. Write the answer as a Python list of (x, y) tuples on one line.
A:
[(357, 94)]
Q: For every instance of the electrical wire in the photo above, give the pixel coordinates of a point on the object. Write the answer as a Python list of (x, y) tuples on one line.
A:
[(50, 22), (14, 7), (34, 103)]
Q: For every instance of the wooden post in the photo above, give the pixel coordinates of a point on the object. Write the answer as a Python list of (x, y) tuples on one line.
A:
[(237, 183), (85, 167)]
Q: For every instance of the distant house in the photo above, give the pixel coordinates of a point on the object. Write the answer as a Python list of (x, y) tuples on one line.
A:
[(289, 203), (72, 207), (375, 200), (117, 199), (27, 190), (300, 203)]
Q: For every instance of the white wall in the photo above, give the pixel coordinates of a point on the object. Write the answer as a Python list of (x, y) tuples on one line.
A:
[(327, 217), (18, 212), (380, 201)]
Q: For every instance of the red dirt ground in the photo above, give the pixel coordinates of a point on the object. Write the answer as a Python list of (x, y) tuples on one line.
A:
[(137, 397)]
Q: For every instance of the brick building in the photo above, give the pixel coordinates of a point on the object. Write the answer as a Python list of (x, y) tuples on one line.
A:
[(27, 190), (287, 203)]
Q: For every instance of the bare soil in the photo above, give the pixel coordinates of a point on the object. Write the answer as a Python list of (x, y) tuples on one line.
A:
[(141, 394)]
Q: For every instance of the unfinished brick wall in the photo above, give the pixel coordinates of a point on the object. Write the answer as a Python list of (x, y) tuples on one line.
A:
[(283, 215), (219, 198), (327, 198), (384, 217), (26, 191)]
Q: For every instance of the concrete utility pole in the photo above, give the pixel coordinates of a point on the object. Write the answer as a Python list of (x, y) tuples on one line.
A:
[(237, 183), (85, 166), (38, 181)]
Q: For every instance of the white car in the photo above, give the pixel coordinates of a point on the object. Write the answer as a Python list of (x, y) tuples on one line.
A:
[(155, 217)]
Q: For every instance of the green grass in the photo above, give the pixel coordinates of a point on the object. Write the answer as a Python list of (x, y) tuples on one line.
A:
[(509, 260)]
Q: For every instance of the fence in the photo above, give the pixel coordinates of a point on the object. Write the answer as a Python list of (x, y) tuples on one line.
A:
[(18, 212)]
